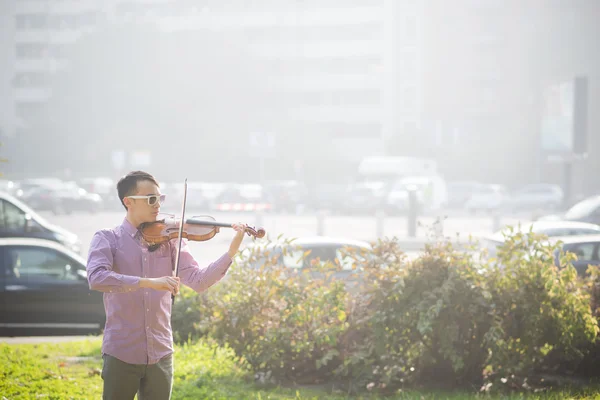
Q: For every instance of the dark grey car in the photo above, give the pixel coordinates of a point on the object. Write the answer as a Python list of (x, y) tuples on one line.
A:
[(585, 247), (44, 290), (19, 220)]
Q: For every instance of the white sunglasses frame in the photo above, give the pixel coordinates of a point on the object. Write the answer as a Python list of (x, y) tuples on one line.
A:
[(160, 198)]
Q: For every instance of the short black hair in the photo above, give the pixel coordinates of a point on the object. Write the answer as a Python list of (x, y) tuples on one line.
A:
[(128, 184)]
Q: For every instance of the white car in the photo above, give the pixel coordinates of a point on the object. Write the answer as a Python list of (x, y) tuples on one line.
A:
[(487, 198), (325, 249), (551, 229), (537, 197)]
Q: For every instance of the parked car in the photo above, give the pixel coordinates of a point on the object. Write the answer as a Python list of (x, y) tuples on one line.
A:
[(366, 197), (584, 247), (106, 188), (460, 192), (323, 249), (487, 198), (18, 220), (63, 199), (44, 290), (397, 199), (244, 197), (537, 197), (26, 185), (551, 229), (587, 210), (8, 186), (288, 196), (327, 197)]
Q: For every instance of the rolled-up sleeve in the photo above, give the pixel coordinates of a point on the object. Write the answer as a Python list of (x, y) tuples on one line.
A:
[(196, 277), (100, 274)]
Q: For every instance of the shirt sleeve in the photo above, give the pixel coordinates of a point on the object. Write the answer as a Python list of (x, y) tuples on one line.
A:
[(194, 276), (100, 274)]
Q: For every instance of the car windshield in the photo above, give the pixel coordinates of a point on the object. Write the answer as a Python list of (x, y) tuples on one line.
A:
[(24, 208), (583, 208)]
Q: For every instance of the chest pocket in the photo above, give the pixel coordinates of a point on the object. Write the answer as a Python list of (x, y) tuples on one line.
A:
[(126, 264), (161, 263)]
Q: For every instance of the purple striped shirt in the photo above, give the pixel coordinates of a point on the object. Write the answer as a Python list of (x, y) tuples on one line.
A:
[(138, 320)]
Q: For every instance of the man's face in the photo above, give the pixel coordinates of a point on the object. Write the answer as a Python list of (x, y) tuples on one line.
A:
[(139, 208)]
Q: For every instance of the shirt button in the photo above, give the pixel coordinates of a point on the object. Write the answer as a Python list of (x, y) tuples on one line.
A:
[(147, 309)]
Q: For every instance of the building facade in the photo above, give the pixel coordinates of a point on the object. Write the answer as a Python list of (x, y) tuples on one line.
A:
[(460, 82)]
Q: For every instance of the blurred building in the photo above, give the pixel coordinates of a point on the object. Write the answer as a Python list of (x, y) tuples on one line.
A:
[(7, 52), (329, 63), (40, 31), (345, 74), (486, 65), (457, 81)]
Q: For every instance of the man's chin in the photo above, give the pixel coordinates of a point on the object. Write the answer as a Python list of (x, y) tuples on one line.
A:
[(152, 218)]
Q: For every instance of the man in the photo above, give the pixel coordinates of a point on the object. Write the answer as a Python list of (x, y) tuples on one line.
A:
[(137, 281)]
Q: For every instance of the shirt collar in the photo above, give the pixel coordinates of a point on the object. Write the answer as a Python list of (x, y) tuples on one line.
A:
[(129, 228)]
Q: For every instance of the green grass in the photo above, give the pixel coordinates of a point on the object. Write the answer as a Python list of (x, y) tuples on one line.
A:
[(202, 371)]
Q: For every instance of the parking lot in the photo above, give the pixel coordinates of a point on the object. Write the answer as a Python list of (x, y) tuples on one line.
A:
[(353, 227)]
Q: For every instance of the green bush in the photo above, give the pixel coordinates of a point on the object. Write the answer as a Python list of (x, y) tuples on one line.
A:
[(419, 322), (285, 323), (589, 367), (447, 318), (538, 309)]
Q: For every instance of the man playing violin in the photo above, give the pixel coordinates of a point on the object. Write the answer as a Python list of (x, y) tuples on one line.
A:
[(138, 283)]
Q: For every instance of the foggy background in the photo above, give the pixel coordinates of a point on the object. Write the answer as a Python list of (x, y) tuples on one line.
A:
[(253, 91)]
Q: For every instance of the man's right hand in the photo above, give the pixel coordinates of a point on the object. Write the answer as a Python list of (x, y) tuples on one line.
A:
[(166, 283)]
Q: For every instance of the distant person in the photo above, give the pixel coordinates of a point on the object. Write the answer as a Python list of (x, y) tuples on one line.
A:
[(138, 282)]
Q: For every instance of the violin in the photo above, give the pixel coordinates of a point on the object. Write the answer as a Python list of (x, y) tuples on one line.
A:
[(198, 228)]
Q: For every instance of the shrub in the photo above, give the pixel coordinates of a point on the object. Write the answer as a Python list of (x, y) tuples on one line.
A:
[(285, 323), (419, 322), (538, 309), (447, 318)]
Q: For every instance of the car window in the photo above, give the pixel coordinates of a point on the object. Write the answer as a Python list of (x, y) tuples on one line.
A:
[(321, 254), (293, 258), (13, 218), (557, 232), (583, 251), (30, 262), (583, 231), (345, 259)]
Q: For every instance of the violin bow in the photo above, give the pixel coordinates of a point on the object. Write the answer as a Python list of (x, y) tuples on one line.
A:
[(180, 234)]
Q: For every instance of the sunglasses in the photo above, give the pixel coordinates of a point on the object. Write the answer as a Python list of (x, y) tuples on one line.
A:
[(151, 198)]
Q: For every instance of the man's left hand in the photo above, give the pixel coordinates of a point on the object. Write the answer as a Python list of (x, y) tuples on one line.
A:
[(240, 231)]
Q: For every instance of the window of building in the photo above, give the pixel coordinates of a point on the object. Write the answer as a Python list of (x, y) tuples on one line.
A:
[(408, 98), (30, 79), (31, 51), (365, 130), (408, 33), (31, 21), (28, 110), (407, 64)]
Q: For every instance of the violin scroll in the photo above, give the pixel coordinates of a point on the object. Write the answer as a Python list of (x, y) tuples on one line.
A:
[(256, 233)]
